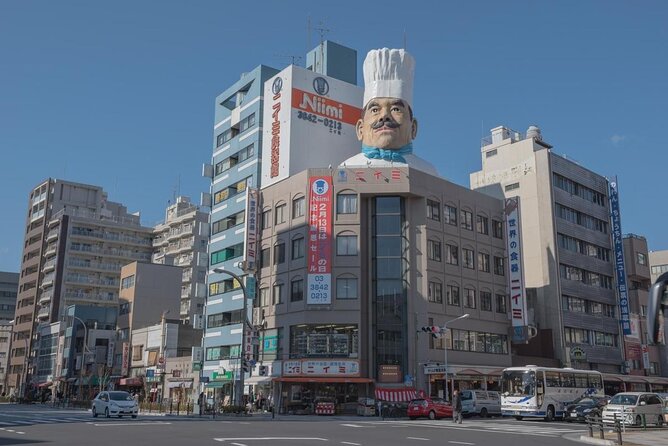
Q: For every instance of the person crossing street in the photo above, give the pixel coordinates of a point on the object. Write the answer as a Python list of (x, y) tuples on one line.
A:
[(456, 407)]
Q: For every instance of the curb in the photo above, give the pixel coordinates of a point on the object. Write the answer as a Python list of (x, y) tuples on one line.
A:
[(597, 441)]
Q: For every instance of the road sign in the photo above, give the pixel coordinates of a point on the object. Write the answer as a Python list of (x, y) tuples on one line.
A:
[(204, 379), (150, 373)]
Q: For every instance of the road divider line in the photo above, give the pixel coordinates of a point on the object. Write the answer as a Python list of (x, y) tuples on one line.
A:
[(418, 438), (270, 438), (459, 442), (350, 443)]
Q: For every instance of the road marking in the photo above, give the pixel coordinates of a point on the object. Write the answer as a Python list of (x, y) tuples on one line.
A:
[(10, 430), (138, 423), (459, 442), (417, 438), (238, 444), (20, 433), (350, 443), (270, 438), (353, 425)]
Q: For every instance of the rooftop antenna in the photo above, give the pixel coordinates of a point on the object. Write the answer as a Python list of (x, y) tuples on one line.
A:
[(308, 32), (405, 45), (293, 58), (322, 30)]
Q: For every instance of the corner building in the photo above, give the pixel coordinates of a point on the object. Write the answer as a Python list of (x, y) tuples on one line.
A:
[(568, 254), (408, 249)]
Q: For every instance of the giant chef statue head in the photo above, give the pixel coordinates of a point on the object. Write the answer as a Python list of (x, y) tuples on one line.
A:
[(387, 126)]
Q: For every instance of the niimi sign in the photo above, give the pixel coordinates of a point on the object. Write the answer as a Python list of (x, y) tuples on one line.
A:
[(518, 303), (620, 269), (319, 283)]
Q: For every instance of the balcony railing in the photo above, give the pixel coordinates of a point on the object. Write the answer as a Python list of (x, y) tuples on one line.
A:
[(112, 252), (90, 296)]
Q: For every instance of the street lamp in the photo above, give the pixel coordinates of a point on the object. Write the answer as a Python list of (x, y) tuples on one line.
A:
[(445, 348), (239, 390)]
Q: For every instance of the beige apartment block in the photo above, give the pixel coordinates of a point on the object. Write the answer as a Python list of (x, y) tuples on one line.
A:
[(567, 251), (181, 240), (76, 242)]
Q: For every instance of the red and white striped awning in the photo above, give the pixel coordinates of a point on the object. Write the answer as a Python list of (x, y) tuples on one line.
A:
[(395, 395)]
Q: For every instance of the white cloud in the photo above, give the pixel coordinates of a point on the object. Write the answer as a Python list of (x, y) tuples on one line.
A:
[(616, 139)]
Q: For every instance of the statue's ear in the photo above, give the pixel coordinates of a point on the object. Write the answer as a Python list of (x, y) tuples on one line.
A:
[(358, 129), (414, 129)]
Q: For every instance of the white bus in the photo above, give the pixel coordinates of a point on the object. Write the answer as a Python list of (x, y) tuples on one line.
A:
[(544, 392)]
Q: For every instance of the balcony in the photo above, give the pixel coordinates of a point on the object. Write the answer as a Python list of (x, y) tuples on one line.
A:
[(49, 266), (51, 250), (54, 222), (47, 281), (52, 235), (44, 312), (185, 293), (45, 297), (89, 297), (85, 264)]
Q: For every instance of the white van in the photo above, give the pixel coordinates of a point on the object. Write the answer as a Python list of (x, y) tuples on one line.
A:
[(634, 408), (481, 402)]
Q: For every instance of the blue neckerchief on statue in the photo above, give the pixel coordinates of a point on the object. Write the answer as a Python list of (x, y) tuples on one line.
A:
[(395, 155)]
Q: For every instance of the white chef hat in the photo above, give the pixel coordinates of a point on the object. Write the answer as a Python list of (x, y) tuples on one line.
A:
[(388, 73)]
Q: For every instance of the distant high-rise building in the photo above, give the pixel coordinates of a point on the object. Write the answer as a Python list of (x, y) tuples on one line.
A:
[(76, 242), (9, 285), (181, 240), (567, 254)]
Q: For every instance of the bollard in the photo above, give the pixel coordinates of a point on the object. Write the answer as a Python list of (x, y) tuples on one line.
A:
[(590, 427), (618, 429)]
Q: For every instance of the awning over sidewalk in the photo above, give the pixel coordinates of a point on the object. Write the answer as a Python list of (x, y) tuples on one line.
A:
[(322, 379), (135, 381), (395, 394), (181, 383), (258, 380)]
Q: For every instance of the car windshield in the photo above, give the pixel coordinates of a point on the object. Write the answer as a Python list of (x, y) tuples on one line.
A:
[(585, 401), (120, 396), (519, 383), (622, 399), (417, 402), (466, 396)]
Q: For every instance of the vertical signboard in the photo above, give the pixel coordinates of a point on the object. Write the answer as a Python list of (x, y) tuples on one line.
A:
[(320, 241), (518, 303), (250, 247), (110, 353), (309, 121), (645, 357), (620, 268), (126, 359)]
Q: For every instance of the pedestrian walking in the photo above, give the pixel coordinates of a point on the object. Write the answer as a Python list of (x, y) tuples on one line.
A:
[(456, 407)]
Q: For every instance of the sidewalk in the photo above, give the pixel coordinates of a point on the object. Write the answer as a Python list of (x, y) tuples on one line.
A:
[(649, 437)]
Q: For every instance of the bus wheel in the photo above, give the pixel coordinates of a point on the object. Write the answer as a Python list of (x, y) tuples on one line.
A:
[(518, 418), (550, 413)]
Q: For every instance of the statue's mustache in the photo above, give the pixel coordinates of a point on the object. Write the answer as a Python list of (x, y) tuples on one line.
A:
[(390, 123)]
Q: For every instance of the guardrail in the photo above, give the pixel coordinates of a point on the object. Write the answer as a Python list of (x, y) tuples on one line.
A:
[(597, 423)]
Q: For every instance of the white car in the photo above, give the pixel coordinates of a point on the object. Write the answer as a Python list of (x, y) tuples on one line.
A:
[(114, 403), (634, 408)]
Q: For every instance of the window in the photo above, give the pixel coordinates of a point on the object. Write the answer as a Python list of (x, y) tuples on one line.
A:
[(298, 248), (581, 219), (346, 204), (434, 250), (222, 352), (279, 216), (228, 253), (435, 292), (137, 352), (512, 186), (346, 288), (468, 258), (499, 268), (450, 215), (578, 189), (264, 297), (467, 220), (497, 229), (228, 222), (641, 258), (265, 221), (231, 191), (128, 282), (584, 276), (346, 245), (265, 257), (483, 262), (433, 210), (297, 290), (226, 136), (226, 318), (605, 339), (452, 295), (501, 303), (298, 207), (223, 286), (279, 253), (247, 122), (482, 224), (451, 254), (581, 247), (575, 304), (576, 335), (486, 301), (469, 298), (277, 294)]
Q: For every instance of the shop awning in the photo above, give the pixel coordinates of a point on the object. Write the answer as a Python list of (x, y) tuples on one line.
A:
[(258, 380), (216, 384), (322, 379), (175, 384), (44, 384), (395, 394), (468, 372)]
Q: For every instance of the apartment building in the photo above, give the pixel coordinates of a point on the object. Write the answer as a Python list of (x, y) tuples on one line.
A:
[(567, 250), (76, 242), (181, 240)]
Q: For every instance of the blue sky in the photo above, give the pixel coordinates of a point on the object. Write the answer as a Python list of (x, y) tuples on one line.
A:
[(121, 94)]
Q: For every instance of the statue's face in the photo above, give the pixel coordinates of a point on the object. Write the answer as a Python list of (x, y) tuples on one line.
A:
[(386, 123)]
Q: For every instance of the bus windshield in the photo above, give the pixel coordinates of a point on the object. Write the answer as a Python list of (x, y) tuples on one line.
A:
[(519, 383)]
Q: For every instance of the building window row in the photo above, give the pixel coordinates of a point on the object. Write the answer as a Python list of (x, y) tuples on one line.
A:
[(231, 190), (223, 352), (581, 219), (434, 248), (580, 246), (128, 282), (228, 253), (467, 299), (230, 133), (473, 341), (346, 288), (226, 318), (587, 277), (659, 269), (592, 337), (579, 305), (223, 286), (578, 189), (232, 160), (228, 222), (280, 213), (324, 341)]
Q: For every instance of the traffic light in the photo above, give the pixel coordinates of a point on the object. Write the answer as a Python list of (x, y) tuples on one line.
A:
[(435, 330), (262, 370), (245, 366)]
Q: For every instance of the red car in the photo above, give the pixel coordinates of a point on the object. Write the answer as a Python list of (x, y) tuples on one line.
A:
[(431, 408)]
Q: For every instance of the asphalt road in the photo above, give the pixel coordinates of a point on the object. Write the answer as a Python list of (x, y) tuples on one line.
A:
[(36, 425)]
